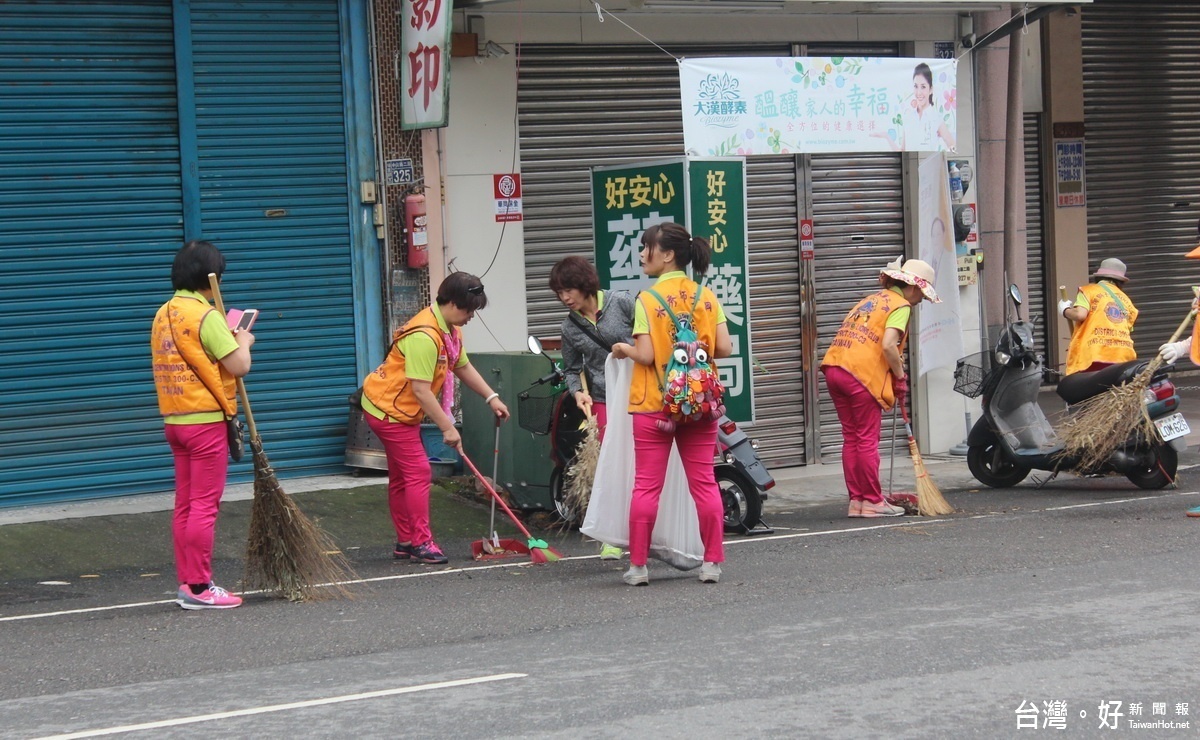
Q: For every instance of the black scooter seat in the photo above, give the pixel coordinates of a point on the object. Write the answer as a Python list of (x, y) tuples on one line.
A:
[(1082, 386)]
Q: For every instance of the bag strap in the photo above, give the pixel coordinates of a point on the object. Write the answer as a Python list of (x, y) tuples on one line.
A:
[(667, 306), (414, 329), (1113, 296), (586, 327)]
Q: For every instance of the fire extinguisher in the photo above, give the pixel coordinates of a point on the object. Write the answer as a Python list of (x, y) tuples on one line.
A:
[(416, 225)]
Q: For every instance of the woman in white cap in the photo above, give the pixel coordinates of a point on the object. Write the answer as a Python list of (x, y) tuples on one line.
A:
[(1103, 318), (864, 371)]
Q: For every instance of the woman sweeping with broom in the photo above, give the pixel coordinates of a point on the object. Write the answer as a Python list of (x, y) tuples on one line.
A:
[(864, 371), (598, 319), (426, 355), (196, 359)]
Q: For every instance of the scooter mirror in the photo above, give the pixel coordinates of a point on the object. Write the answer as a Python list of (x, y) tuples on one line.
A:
[(1015, 293), (535, 345)]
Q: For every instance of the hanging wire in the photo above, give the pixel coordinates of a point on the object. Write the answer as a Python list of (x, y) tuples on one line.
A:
[(600, 13), (1023, 12)]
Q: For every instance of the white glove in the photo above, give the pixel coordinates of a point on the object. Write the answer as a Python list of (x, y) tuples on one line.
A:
[(1063, 306), (1172, 351)]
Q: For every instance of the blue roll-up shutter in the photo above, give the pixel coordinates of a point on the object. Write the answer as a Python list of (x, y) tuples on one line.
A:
[(271, 140), (90, 218)]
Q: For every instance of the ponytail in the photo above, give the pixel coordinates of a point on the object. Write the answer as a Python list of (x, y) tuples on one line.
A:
[(688, 249)]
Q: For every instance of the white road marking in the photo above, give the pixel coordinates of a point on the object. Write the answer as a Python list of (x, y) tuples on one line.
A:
[(285, 707), (908, 522)]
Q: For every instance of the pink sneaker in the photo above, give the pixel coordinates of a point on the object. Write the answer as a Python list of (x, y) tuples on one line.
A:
[(213, 597), (855, 508), (871, 510)]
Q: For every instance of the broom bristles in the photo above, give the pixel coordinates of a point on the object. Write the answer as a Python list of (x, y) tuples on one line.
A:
[(930, 501), (287, 552), (1097, 426), (541, 555), (582, 473)]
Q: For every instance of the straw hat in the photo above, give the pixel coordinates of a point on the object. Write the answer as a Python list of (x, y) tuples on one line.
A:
[(1111, 268), (913, 272)]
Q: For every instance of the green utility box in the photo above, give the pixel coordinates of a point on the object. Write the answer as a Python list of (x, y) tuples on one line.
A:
[(525, 463)]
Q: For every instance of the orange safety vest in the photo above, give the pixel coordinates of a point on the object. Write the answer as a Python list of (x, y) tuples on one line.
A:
[(1195, 353), (858, 345), (388, 387), (645, 390), (1104, 335), (187, 381)]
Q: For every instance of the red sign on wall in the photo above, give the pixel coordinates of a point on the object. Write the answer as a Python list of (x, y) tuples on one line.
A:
[(806, 239), (507, 191)]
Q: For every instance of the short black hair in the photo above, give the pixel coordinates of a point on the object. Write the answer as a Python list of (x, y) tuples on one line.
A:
[(463, 290), (193, 263)]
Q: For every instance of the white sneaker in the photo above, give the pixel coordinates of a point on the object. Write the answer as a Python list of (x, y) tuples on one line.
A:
[(710, 572), (637, 575)]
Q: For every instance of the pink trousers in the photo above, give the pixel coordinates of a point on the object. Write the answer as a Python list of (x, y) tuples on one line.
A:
[(201, 462), (860, 415), (600, 411), (697, 442), (409, 476)]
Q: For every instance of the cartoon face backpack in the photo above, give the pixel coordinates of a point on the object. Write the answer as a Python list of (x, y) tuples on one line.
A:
[(691, 389)]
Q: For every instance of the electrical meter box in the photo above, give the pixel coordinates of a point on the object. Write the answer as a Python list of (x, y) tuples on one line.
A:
[(525, 463)]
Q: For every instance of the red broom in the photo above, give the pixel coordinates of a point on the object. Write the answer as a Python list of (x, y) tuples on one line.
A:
[(539, 551)]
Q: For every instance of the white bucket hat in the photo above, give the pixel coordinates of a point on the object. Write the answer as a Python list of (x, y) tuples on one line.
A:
[(914, 272), (1111, 268)]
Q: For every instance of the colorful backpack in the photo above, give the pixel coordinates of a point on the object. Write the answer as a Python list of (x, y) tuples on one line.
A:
[(691, 389)]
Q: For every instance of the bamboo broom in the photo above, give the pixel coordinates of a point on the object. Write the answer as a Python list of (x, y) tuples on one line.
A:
[(286, 552), (930, 501), (582, 473), (1100, 424)]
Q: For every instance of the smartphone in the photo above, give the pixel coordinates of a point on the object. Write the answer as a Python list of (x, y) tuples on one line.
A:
[(239, 320)]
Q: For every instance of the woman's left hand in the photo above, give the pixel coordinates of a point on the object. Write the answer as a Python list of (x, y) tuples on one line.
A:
[(498, 408)]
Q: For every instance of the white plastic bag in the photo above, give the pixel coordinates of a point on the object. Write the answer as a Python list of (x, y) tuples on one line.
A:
[(676, 537)]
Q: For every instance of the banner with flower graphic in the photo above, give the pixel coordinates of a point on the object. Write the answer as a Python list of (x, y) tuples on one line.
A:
[(744, 106)]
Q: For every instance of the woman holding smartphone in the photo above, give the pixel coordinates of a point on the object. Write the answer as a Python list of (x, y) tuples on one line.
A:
[(196, 358)]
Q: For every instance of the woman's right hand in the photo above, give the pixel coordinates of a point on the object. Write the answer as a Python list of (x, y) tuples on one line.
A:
[(452, 438), (621, 350), (244, 338), (584, 402)]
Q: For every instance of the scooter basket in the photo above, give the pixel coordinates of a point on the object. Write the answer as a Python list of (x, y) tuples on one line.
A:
[(974, 373), (535, 413)]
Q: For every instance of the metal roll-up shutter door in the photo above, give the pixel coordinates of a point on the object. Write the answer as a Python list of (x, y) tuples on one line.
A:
[(1035, 245), (858, 227), (90, 218), (271, 129), (582, 106), (1141, 86)]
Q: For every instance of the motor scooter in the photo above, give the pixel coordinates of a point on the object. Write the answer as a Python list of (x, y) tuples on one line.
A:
[(741, 475), (1013, 436)]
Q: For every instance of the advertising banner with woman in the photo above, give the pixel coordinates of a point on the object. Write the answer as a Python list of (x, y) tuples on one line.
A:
[(745, 106)]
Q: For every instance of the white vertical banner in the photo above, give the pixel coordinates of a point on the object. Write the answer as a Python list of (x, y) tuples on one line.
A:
[(424, 63), (939, 325)]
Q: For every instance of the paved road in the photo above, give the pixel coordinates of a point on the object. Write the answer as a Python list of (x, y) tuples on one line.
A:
[(1083, 592)]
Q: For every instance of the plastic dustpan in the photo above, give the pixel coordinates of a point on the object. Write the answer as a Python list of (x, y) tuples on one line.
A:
[(905, 500), (508, 549)]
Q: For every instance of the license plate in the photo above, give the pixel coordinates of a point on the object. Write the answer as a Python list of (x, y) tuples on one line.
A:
[(1172, 426)]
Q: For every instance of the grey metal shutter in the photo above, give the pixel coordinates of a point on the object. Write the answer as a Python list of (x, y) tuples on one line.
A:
[(90, 218), (582, 106), (858, 227), (1042, 298), (1140, 85), (271, 130)]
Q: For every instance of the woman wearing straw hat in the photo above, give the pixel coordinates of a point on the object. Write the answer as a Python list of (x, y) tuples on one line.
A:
[(196, 358), (1103, 318), (864, 371)]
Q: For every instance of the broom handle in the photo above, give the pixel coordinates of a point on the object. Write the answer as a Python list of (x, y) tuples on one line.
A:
[(496, 496), (215, 285), (1062, 293), (583, 382)]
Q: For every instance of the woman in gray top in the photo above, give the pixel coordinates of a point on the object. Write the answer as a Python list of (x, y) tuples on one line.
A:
[(597, 320)]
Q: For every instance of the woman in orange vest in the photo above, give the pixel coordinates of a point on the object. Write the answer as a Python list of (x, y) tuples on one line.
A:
[(1190, 347), (667, 250), (196, 358), (1103, 318), (864, 372), (426, 355)]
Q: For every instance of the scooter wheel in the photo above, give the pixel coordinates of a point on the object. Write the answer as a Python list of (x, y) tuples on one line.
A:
[(740, 498), (991, 466), (557, 491)]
